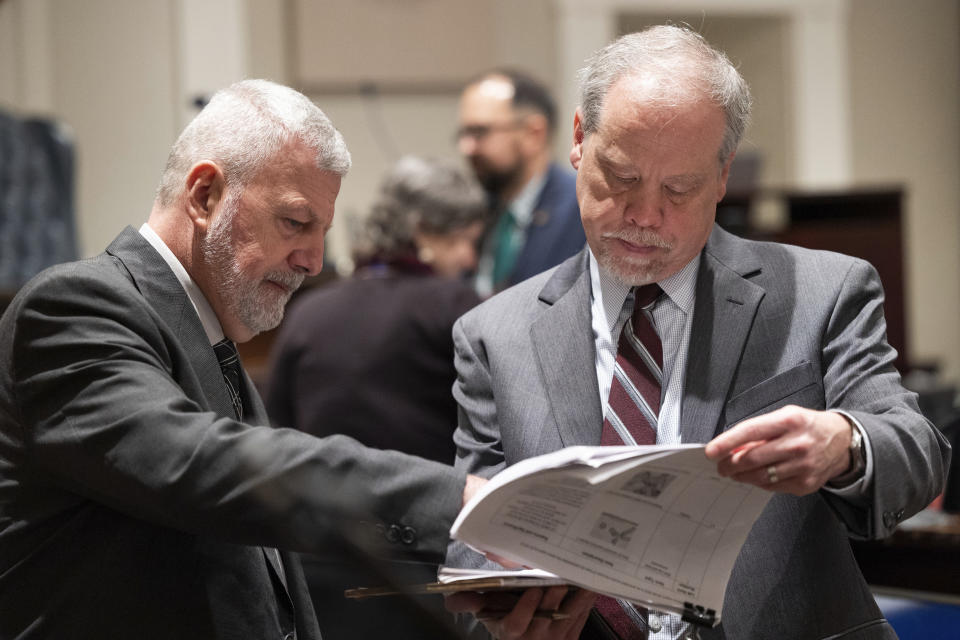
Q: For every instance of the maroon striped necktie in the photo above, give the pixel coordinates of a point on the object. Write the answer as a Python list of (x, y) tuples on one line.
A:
[(634, 401), (631, 418)]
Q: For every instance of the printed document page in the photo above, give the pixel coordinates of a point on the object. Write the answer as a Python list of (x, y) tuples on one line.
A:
[(655, 525)]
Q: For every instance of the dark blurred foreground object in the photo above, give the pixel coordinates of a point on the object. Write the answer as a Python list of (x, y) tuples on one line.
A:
[(367, 555), (400, 617), (951, 496)]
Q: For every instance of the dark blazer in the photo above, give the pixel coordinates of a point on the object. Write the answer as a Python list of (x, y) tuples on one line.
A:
[(772, 325), (371, 357), (555, 232), (132, 504)]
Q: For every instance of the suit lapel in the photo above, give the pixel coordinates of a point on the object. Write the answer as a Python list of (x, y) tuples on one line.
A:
[(723, 316), (546, 203), (563, 342), (160, 287)]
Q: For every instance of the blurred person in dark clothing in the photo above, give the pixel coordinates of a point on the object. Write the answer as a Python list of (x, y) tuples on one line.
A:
[(386, 379)]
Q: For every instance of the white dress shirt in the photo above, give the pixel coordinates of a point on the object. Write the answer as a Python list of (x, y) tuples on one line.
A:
[(211, 325)]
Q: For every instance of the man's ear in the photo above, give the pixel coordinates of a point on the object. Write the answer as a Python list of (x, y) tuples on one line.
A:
[(206, 188), (576, 153)]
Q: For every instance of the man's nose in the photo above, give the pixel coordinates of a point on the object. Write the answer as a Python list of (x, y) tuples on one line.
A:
[(308, 260), (644, 207)]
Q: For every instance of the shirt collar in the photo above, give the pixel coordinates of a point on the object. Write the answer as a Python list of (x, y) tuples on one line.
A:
[(522, 206), (681, 288), (211, 324)]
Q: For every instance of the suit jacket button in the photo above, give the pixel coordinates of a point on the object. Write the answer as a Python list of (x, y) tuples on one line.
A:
[(900, 515), (290, 636), (889, 520), (409, 535), (393, 533)]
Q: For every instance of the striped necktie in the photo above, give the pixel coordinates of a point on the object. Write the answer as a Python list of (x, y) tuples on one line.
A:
[(631, 418), (229, 361), (634, 402)]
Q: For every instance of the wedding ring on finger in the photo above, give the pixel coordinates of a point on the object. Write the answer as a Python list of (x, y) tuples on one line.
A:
[(772, 477)]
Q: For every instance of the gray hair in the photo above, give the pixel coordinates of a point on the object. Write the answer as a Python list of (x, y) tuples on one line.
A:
[(418, 195), (242, 129), (683, 61)]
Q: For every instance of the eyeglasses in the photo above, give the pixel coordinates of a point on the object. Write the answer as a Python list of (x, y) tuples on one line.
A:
[(479, 132)]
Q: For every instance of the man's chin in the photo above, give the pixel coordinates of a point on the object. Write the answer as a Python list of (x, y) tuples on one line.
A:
[(259, 322), (632, 272), (273, 321)]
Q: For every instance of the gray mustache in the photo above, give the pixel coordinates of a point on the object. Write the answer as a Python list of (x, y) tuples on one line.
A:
[(291, 281), (646, 238)]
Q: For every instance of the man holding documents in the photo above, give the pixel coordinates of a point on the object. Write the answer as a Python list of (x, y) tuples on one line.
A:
[(773, 355), (143, 493)]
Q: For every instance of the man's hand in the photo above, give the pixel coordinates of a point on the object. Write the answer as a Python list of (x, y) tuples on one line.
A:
[(508, 617), (792, 450), (471, 487)]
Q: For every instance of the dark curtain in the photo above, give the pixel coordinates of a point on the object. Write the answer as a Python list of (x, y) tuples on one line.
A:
[(37, 226)]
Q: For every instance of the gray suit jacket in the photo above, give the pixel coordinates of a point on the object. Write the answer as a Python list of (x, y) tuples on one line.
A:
[(772, 325), (132, 504)]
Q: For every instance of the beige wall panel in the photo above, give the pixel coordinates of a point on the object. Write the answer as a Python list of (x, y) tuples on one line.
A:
[(269, 44), (378, 130), (114, 85), (10, 62), (905, 62), (425, 41), (25, 56)]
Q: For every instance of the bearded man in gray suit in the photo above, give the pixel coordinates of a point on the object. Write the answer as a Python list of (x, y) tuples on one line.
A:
[(142, 492), (774, 355)]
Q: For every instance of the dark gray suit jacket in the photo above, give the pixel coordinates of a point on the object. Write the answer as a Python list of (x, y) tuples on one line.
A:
[(133, 505), (772, 325)]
